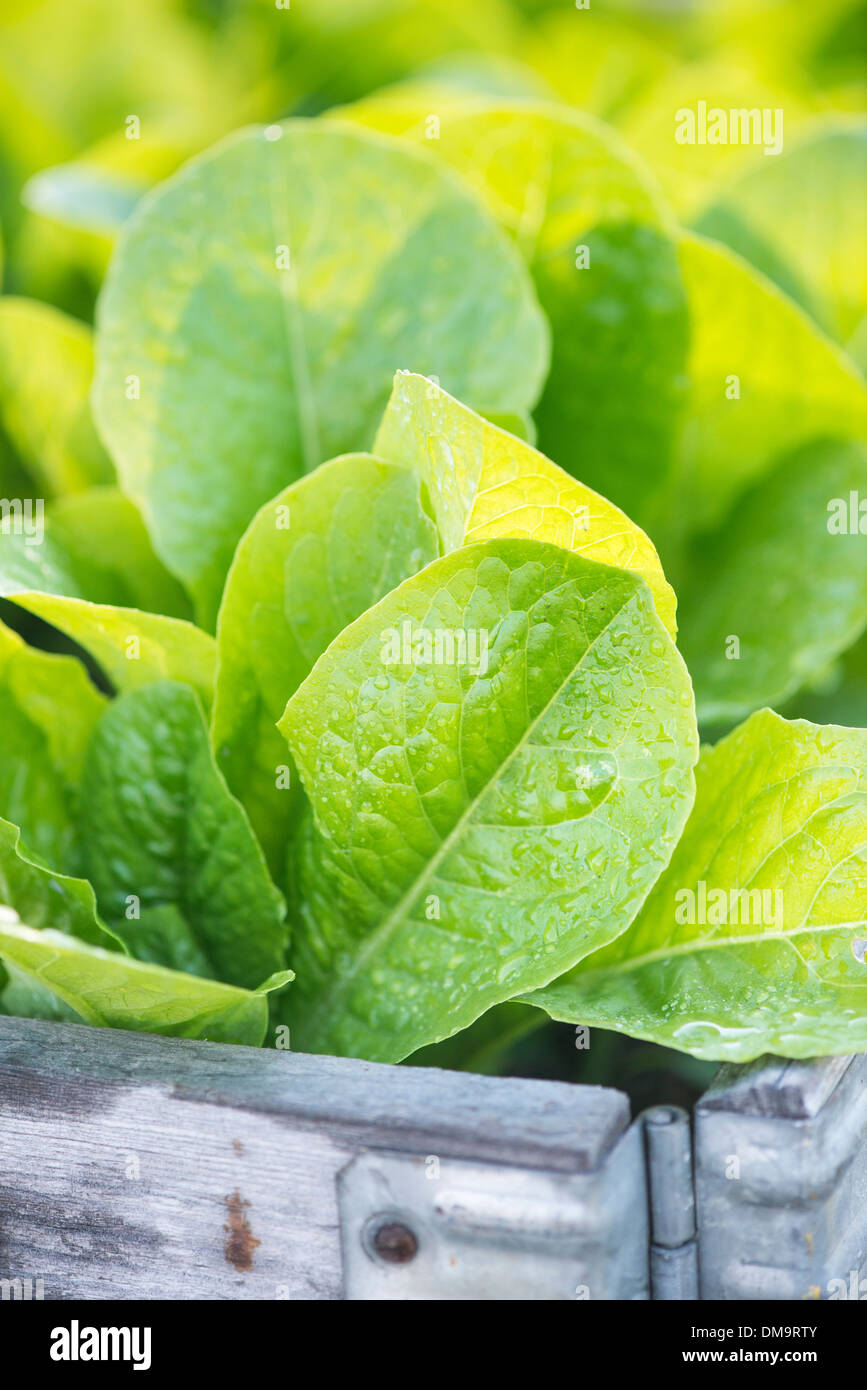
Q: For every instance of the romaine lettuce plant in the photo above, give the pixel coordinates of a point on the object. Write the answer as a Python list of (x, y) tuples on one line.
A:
[(368, 715)]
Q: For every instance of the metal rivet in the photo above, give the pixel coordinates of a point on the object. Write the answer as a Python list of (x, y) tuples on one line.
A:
[(395, 1243)]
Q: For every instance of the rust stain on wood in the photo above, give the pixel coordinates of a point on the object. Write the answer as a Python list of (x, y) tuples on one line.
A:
[(240, 1241), (237, 1146)]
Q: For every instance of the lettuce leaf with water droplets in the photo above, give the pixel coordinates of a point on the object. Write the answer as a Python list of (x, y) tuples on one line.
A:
[(50, 975), (754, 938), (484, 483), (498, 758)]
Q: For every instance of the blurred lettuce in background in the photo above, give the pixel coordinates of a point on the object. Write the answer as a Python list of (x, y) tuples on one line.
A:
[(710, 262), (190, 71)]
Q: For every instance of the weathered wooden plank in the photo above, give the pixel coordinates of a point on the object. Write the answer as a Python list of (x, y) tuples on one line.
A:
[(793, 1090), (134, 1166), (538, 1123)]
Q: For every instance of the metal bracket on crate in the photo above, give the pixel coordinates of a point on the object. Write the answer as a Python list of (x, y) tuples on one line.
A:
[(671, 1199), (781, 1180), (421, 1227)]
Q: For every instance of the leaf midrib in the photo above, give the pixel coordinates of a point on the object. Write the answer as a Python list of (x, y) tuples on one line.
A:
[(293, 320), (723, 942), (694, 947), (396, 916)]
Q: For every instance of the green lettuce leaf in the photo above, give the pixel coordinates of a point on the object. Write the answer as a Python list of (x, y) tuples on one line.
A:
[(601, 64), (86, 194), (613, 404), (133, 648), (679, 375), (484, 483), (339, 48), (521, 424), (781, 815), (31, 558), (102, 527), (331, 545), (769, 393), (312, 561), (90, 545), (780, 544), (177, 872), (812, 246), (567, 189), (691, 173), (46, 366), (856, 346), (47, 899), (481, 813), (547, 173), (97, 191), (257, 306), (51, 975), (48, 711), (793, 384)]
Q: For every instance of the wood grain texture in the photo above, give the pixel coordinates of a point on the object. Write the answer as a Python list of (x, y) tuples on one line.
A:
[(772, 1086), (141, 1167)]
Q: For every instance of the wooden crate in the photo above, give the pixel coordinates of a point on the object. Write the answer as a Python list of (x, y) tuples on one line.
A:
[(140, 1167)]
